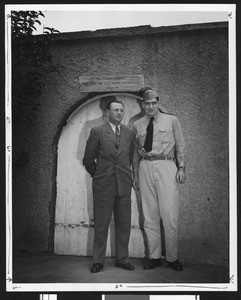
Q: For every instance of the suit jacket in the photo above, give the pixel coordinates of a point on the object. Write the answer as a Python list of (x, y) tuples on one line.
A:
[(107, 164)]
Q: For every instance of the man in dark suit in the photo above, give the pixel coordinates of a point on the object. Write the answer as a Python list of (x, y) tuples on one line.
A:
[(108, 158)]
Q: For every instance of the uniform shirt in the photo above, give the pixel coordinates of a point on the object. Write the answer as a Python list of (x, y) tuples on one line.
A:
[(167, 137)]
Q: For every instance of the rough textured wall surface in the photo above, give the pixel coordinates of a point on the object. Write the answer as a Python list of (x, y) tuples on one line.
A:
[(189, 68)]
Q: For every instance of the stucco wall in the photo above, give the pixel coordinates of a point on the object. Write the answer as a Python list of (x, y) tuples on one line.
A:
[(189, 68)]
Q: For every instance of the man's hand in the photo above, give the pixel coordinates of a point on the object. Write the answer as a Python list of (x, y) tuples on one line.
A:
[(181, 176), (135, 182), (143, 152)]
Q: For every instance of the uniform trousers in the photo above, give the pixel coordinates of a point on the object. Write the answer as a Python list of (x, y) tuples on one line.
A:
[(160, 200), (104, 206)]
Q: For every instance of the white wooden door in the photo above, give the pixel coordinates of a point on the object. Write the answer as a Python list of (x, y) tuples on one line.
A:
[(74, 224)]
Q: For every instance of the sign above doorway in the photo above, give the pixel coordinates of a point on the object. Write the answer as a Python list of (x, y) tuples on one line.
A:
[(104, 83)]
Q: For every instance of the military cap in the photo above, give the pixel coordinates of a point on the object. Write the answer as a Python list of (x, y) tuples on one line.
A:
[(149, 94)]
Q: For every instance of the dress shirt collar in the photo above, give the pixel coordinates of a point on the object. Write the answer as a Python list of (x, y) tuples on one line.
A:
[(114, 126), (155, 118)]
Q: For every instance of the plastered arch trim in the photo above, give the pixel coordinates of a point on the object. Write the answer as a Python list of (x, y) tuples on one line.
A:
[(89, 100)]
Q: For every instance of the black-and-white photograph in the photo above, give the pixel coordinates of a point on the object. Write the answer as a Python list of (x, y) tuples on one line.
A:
[(121, 147)]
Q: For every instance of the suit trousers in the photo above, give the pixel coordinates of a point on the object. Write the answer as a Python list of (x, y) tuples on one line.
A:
[(160, 200), (104, 206)]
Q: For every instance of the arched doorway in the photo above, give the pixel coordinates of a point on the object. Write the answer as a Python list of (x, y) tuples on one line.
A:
[(74, 224)]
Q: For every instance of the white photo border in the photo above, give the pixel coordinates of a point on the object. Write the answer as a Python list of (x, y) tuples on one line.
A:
[(121, 287)]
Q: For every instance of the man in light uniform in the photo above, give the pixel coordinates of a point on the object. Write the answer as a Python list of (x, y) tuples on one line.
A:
[(159, 141)]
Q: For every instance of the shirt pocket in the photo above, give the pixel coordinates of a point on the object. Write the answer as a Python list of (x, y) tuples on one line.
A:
[(165, 135)]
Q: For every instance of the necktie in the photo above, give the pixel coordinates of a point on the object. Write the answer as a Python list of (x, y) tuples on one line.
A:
[(149, 136), (117, 132)]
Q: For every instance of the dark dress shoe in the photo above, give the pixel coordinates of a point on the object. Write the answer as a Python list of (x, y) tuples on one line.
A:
[(127, 266), (175, 265), (152, 263), (96, 268)]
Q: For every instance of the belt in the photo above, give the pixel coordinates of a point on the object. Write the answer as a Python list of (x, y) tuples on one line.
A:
[(157, 158)]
